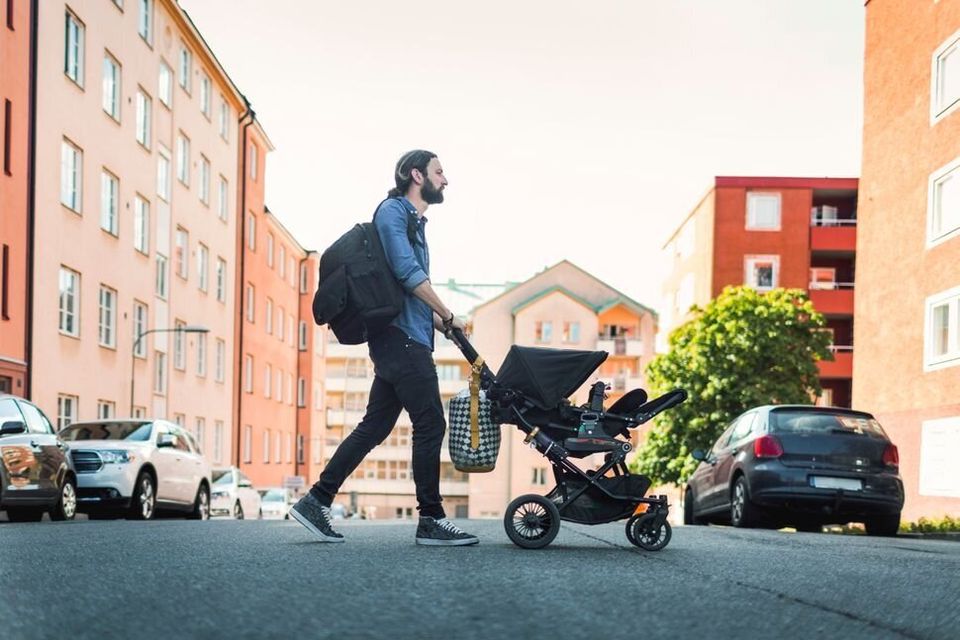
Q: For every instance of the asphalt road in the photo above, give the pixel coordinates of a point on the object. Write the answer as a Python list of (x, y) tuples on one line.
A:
[(248, 579)]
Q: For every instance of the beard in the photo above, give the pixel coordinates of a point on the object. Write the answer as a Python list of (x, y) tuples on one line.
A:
[(430, 194)]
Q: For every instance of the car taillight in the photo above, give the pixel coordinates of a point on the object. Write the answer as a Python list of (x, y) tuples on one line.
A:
[(767, 447), (891, 457)]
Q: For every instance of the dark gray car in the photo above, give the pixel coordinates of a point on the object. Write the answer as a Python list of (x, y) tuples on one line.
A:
[(798, 465), (36, 475)]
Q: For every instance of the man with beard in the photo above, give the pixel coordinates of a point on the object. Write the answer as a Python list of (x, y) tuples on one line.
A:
[(405, 375)]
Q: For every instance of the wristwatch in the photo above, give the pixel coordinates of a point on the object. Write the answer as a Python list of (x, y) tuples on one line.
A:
[(448, 323)]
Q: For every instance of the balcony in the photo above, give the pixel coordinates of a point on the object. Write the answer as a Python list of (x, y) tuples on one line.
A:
[(343, 417), (832, 298), (829, 233), (622, 384), (621, 346), (841, 366)]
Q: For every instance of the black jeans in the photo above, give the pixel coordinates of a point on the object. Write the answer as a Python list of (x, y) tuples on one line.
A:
[(405, 378)]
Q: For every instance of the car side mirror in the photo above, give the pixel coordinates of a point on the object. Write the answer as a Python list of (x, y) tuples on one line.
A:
[(699, 454), (12, 427), (245, 485), (166, 440)]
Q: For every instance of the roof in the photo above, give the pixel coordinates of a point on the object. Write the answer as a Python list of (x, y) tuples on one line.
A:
[(546, 292), (462, 298)]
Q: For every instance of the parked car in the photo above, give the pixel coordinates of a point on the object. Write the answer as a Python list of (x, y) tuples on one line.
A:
[(36, 475), (234, 495), (137, 467), (799, 465), (277, 502)]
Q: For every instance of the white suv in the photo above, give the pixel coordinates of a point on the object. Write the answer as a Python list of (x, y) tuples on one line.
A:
[(137, 466)]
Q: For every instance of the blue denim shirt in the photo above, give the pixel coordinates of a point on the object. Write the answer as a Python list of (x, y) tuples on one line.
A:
[(410, 265)]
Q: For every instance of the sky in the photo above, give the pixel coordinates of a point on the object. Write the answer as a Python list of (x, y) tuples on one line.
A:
[(584, 131)]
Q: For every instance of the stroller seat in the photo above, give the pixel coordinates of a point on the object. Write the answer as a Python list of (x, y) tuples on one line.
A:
[(591, 445)]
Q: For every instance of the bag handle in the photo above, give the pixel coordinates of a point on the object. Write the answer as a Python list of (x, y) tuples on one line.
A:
[(476, 367)]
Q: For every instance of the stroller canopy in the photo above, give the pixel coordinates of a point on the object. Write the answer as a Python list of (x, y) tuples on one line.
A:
[(547, 376)]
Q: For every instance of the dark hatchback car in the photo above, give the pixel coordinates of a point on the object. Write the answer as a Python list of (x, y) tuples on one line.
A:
[(36, 474), (802, 466)]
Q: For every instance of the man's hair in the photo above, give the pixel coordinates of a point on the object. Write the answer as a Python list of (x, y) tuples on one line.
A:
[(416, 159)]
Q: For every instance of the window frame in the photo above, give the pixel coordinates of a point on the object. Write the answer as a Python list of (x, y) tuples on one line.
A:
[(950, 171), (949, 47), (751, 222), (951, 358), (750, 260)]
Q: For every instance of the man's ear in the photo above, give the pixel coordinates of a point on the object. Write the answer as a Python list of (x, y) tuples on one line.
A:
[(416, 175)]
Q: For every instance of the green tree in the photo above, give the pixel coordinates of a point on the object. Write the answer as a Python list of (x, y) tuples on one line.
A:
[(742, 350)]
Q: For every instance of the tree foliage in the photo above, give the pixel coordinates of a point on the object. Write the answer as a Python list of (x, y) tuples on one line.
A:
[(742, 350)]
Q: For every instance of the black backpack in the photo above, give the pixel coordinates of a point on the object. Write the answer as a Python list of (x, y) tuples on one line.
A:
[(358, 294)]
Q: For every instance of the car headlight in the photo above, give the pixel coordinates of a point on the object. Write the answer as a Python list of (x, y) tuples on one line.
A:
[(114, 456)]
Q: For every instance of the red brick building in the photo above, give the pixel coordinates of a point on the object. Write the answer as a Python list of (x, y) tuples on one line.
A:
[(767, 233)]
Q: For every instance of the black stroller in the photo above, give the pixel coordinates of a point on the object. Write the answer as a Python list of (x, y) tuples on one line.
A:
[(531, 391)]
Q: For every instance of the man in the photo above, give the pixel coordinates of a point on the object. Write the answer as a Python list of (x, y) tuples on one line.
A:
[(405, 376)]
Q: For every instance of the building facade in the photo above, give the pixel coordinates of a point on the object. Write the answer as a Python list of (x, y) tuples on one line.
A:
[(136, 219), (16, 110), (766, 233), (907, 370)]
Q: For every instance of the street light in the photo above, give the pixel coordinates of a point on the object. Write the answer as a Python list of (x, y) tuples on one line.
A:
[(133, 353)]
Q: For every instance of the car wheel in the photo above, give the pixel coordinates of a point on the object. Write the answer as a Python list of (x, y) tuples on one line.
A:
[(260, 514), (237, 511), (66, 506), (201, 504), (688, 517), (886, 526), (743, 513), (143, 505), (24, 514)]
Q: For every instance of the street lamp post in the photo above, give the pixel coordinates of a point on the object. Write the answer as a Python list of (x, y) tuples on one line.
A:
[(133, 353)]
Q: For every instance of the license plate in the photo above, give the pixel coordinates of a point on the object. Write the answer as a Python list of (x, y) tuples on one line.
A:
[(826, 482)]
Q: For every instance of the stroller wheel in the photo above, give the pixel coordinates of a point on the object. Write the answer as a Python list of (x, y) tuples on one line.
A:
[(648, 536), (532, 521), (632, 520)]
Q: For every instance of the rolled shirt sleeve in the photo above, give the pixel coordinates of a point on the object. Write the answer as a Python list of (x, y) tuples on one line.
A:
[(391, 225)]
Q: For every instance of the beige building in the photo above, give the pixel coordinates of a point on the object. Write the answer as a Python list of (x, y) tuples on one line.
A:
[(136, 218), (561, 307)]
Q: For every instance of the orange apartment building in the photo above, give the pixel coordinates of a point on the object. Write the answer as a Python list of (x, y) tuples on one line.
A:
[(311, 372), (907, 370), (773, 232), (16, 127)]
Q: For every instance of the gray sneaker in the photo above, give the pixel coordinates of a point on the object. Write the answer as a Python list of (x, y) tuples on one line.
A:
[(441, 532), (316, 518)]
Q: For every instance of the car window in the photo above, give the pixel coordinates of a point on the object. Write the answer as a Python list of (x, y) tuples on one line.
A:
[(722, 440), (180, 442), (9, 412), (742, 427), (245, 480), (35, 421), (222, 476), (822, 422), (134, 431)]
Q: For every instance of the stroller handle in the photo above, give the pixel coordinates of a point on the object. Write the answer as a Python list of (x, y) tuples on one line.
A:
[(460, 339)]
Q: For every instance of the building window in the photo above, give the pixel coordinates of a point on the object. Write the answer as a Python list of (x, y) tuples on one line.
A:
[(945, 88), (66, 410), (205, 95), (109, 202), (204, 180), (186, 68), (276, 448), (269, 316), (106, 409), (73, 60), (144, 108), (253, 162), (942, 329), (571, 332), (165, 88), (302, 338), (163, 174), (159, 372), (201, 355), (220, 358), (71, 176), (283, 262), (217, 440), (182, 252), (221, 280), (761, 272), (203, 267), (69, 302), (141, 224), (303, 278), (183, 159), (943, 203), (201, 434), (161, 282), (224, 119), (248, 373), (539, 476), (267, 381), (224, 199), (266, 446), (145, 23), (7, 135), (111, 86), (270, 250), (543, 331), (140, 326), (301, 442), (278, 396), (179, 349), (107, 331), (251, 298), (247, 443), (251, 232), (763, 211), (139, 412), (280, 324), (301, 392)]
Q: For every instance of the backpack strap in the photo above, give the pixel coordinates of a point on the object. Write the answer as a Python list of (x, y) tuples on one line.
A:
[(411, 224)]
